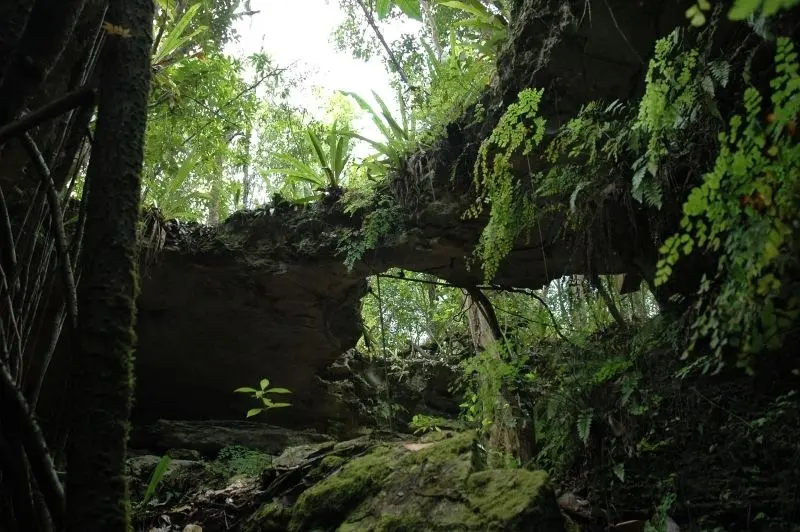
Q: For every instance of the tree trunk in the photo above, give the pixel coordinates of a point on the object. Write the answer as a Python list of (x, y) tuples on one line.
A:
[(430, 22), (101, 373), (609, 301), (509, 433)]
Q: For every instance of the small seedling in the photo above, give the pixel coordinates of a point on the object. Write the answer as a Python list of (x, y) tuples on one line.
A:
[(261, 395)]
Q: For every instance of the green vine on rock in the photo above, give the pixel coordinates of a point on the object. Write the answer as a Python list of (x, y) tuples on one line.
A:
[(519, 130), (747, 211)]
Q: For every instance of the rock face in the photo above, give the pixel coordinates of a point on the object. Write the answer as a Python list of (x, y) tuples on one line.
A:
[(234, 310), (208, 437), (265, 294), (433, 486)]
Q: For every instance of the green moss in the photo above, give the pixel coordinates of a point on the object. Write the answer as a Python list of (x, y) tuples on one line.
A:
[(331, 500), (331, 462), (271, 517), (395, 489), (513, 498)]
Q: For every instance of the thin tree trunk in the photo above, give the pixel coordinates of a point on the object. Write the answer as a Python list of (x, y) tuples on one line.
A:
[(508, 434), (609, 301), (430, 21), (101, 373), (398, 68)]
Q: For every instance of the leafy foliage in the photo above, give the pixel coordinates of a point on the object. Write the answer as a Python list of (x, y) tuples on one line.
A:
[(328, 172), (489, 22), (261, 395), (519, 130), (744, 212), (384, 219), (198, 128), (399, 138), (238, 460), (743, 9)]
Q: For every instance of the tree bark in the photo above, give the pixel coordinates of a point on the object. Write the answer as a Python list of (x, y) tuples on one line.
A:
[(508, 433), (101, 373)]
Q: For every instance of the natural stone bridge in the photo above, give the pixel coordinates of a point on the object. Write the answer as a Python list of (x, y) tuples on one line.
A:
[(265, 294)]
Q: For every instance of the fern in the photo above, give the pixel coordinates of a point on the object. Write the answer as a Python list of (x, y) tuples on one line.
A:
[(584, 424), (385, 219), (669, 105), (512, 211), (744, 211)]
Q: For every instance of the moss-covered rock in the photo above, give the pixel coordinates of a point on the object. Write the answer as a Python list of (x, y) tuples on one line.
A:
[(272, 517), (431, 486)]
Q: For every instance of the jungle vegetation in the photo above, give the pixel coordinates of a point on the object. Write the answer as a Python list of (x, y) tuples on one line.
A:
[(114, 114)]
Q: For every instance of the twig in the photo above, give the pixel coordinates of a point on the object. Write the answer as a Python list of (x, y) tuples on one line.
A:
[(16, 362), (538, 298), (69, 101), (496, 288), (57, 219), (8, 234)]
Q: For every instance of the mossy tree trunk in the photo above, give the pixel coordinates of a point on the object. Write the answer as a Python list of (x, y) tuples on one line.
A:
[(101, 376)]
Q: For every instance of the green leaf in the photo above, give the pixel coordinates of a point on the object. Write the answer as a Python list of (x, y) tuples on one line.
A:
[(382, 8), (771, 7), (387, 115), (619, 472), (254, 412), (278, 390), (698, 19), (175, 39), (155, 478), (246, 390), (315, 142), (280, 405), (478, 11), (410, 8), (742, 9), (264, 383), (584, 424)]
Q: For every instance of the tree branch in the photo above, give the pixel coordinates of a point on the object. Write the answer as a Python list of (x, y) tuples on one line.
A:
[(77, 98), (57, 220), (398, 68)]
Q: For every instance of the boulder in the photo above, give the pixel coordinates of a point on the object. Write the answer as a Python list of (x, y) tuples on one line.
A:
[(416, 488)]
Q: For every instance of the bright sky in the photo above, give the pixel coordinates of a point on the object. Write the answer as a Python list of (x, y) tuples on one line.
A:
[(299, 32)]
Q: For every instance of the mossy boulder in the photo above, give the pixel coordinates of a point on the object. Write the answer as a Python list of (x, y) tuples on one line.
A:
[(433, 486)]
